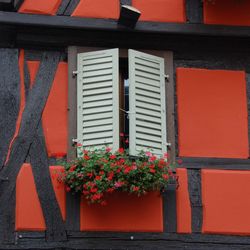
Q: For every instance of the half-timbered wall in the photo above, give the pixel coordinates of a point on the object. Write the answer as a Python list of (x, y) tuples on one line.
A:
[(211, 109)]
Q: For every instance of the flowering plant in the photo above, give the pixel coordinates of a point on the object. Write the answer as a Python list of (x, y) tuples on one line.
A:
[(98, 172)]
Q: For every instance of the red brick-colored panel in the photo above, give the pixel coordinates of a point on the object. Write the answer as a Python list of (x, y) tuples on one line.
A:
[(43, 7), (33, 67), (29, 216), (54, 117), (161, 10), (225, 197), (59, 188), (212, 113), (98, 9), (227, 12), (183, 203), (124, 213)]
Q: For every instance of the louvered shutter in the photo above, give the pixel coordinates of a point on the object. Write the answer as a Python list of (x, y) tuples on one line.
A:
[(147, 104), (98, 99)]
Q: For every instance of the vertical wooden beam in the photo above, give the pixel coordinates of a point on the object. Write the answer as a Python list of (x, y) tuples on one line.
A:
[(170, 104), (194, 188), (73, 201), (194, 11), (9, 98), (248, 102)]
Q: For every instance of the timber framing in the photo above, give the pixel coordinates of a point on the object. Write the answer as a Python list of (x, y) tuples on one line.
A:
[(25, 30)]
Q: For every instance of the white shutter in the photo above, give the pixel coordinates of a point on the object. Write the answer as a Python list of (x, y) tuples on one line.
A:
[(147, 104), (98, 99)]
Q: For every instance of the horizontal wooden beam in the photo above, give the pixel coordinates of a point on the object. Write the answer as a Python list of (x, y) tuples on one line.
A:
[(214, 163), (66, 22)]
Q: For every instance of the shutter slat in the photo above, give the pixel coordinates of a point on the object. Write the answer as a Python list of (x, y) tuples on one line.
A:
[(149, 87), (98, 67), (97, 61), (97, 85), (148, 93), (147, 63), (96, 104), (97, 73), (97, 91), (146, 68), (103, 142), (148, 130), (147, 106), (92, 117), (148, 118), (95, 123), (97, 110), (93, 129), (98, 98), (146, 81), (156, 114), (148, 100), (91, 136), (102, 78), (147, 123)]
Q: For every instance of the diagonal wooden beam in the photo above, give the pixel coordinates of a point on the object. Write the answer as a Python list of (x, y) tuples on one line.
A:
[(30, 120)]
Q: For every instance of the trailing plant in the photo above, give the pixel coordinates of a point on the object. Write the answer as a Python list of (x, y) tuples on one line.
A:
[(97, 172)]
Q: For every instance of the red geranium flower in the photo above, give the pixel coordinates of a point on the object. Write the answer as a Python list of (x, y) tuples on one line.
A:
[(86, 157), (121, 150), (112, 157)]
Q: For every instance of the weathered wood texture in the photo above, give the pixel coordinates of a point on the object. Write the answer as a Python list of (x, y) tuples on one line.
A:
[(71, 7), (132, 241), (63, 6), (194, 188), (30, 120), (126, 2), (194, 11), (9, 98), (248, 99)]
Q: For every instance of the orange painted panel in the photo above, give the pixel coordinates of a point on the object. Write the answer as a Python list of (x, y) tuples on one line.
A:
[(33, 67), (183, 203), (29, 214), (43, 7), (227, 12), (124, 213), (226, 202), (212, 113), (161, 10), (98, 9), (54, 117)]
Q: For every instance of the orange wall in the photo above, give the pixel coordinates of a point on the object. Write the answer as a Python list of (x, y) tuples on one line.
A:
[(226, 202), (227, 12), (124, 213), (212, 113), (29, 216), (183, 203), (43, 7), (161, 10)]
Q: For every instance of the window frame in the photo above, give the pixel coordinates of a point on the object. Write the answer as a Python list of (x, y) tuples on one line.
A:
[(123, 53)]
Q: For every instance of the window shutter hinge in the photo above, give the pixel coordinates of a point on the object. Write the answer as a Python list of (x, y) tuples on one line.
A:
[(168, 144), (167, 77), (74, 73)]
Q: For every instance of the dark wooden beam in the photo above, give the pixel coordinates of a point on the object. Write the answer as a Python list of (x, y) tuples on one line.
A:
[(125, 2), (71, 7), (194, 11), (194, 188), (100, 240), (63, 6), (64, 22)]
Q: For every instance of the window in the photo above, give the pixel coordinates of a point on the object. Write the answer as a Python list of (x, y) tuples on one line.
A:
[(101, 97)]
